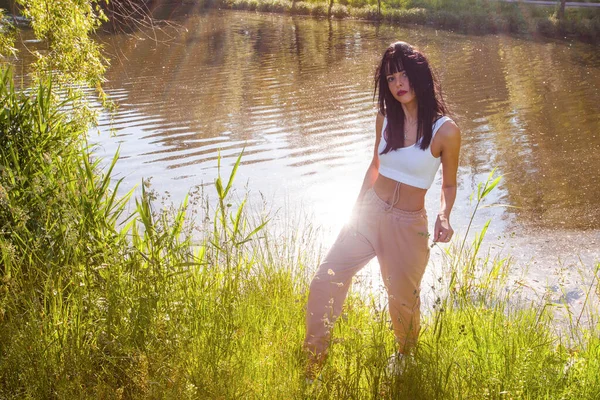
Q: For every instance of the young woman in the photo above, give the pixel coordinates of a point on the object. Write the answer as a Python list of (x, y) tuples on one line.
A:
[(413, 137)]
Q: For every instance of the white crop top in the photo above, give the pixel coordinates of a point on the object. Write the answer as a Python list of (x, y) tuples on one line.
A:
[(410, 165)]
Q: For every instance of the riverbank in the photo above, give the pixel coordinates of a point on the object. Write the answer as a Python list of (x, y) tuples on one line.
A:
[(100, 302), (474, 17), (528, 18)]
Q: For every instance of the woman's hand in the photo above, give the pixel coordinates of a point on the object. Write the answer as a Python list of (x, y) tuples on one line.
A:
[(443, 231)]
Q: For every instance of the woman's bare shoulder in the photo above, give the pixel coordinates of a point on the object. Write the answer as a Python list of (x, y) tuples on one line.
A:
[(449, 130)]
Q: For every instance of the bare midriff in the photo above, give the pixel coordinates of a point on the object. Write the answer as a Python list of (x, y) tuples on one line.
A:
[(409, 198)]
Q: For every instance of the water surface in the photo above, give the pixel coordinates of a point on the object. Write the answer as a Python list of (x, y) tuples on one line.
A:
[(297, 95)]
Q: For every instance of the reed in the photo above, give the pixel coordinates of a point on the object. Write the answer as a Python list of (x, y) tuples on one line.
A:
[(96, 302)]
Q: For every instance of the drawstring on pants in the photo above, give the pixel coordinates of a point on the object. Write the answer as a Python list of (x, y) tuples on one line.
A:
[(395, 197)]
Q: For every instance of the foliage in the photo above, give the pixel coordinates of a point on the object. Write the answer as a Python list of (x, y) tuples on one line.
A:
[(97, 303), (40, 147), (413, 15), (69, 57), (72, 56), (303, 8), (468, 16), (339, 11), (358, 3), (7, 37), (57, 216)]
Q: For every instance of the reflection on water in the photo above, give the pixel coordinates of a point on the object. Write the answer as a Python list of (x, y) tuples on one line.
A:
[(296, 94)]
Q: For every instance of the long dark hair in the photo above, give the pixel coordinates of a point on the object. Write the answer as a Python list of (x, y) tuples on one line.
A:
[(401, 56)]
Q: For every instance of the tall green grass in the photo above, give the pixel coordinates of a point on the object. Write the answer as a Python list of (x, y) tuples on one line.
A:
[(96, 302)]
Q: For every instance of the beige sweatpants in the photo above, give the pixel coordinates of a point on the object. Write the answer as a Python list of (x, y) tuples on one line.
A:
[(399, 239)]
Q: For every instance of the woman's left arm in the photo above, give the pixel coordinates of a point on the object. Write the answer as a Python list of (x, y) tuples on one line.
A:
[(450, 150)]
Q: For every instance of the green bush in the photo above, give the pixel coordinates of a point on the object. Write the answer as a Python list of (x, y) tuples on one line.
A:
[(366, 12), (447, 20), (411, 16), (399, 4), (587, 29), (497, 23), (339, 11), (280, 6), (57, 231), (233, 4), (358, 3), (514, 16), (264, 6), (478, 22), (302, 8), (46, 186), (320, 9), (547, 26)]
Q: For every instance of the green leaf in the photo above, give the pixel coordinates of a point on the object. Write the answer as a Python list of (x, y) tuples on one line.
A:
[(489, 187), (259, 228), (233, 173), (219, 186), (238, 217)]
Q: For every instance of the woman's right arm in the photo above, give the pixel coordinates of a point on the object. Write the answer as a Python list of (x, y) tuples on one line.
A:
[(373, 170)]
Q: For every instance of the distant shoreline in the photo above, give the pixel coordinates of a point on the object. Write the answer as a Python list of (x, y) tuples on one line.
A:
[(569, 4), (520, 17), (504, 16)]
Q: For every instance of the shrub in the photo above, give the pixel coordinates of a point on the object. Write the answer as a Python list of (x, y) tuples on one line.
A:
[(399, 4), (497, 23), (40, 177), (513, 14), (446, 20), (547, 26), (280, 6), (320, 9), (410, 16), (302, 8), (238, 4), (264, 6), (57, 229), (586, 29), (393, 15), (477, 22), (339, 11), (366, 12), (359, 3)]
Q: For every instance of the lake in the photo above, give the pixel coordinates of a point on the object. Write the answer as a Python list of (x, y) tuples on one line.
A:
[(296, 94)]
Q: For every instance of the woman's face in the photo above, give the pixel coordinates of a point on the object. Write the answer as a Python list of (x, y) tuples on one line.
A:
[(400, 87)]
